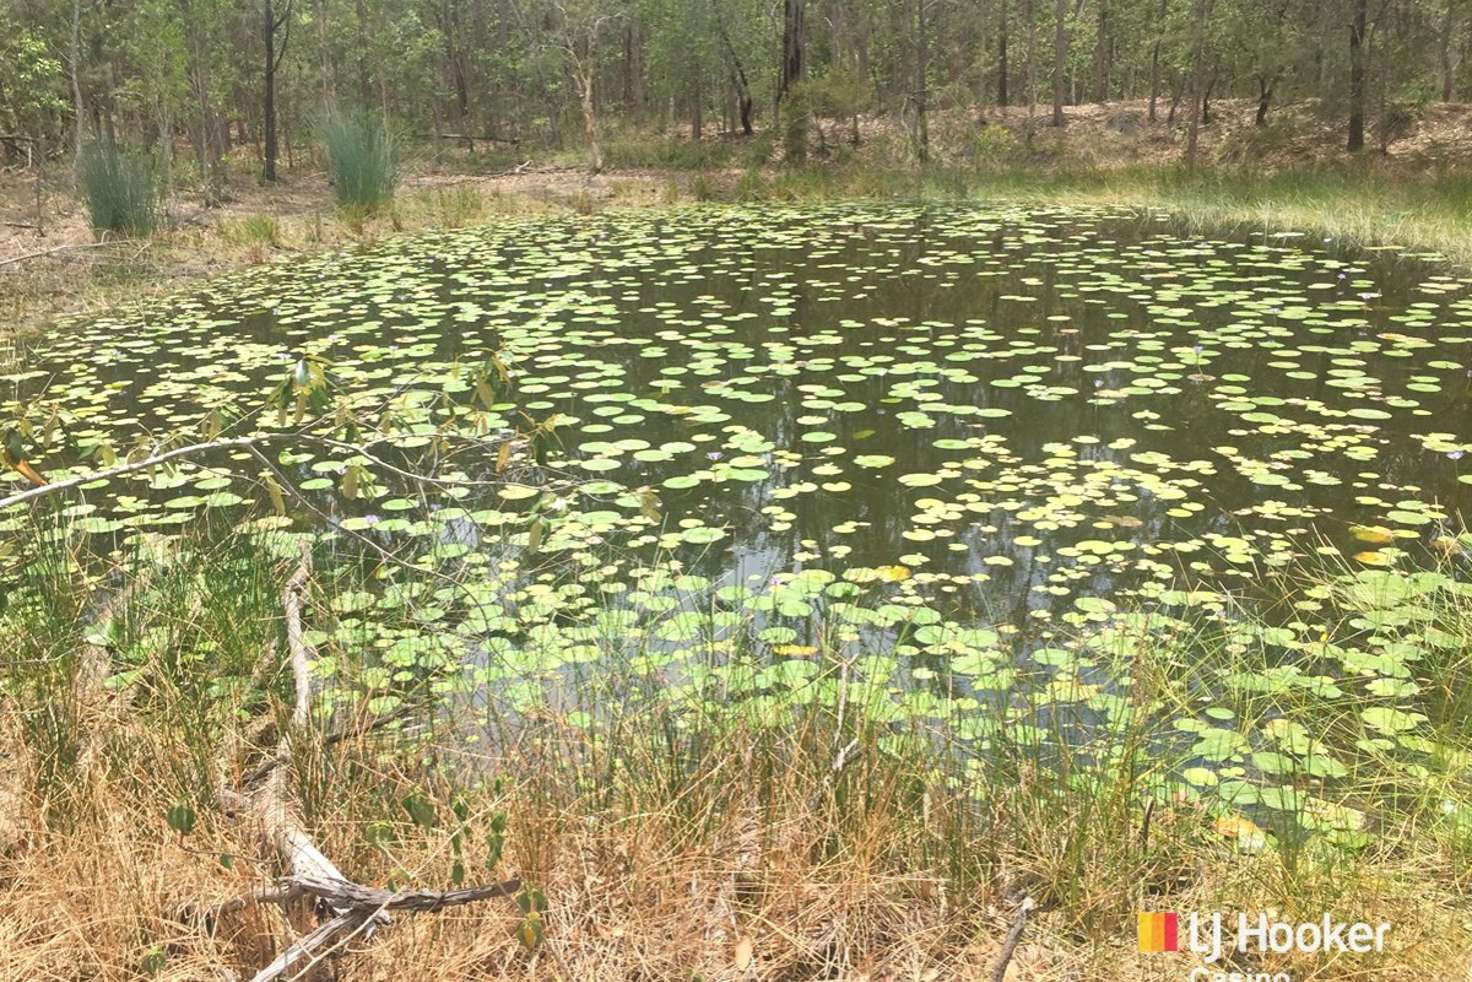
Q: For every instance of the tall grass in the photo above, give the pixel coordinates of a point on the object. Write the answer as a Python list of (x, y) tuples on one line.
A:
[(121, 189), (362, 160), (667, 817)]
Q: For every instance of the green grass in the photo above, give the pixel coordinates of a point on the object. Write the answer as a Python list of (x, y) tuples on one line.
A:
[(120, 189), (1357, 204), (363, 162)]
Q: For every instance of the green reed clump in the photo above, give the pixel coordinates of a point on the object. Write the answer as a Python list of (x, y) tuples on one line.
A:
[(362, 160), (121, 189)]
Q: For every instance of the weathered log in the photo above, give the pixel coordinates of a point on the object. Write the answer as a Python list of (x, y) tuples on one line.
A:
[(356, 908)]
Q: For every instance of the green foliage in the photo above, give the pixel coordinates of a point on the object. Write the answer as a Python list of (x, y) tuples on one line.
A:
[(253, 230), (362, 160), (121, 190), (995, 145)]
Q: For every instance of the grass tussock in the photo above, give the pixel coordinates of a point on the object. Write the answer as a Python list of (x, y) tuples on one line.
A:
[(362, 161), (674, 832), (121, 190)]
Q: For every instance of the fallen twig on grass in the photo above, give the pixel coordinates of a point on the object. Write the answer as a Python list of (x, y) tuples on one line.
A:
[(1014, 937), (309, 873), (61, 248)]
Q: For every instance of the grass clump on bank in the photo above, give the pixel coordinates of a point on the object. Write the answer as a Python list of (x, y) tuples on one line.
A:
[(120, 188), (793, 814), (363, 163)]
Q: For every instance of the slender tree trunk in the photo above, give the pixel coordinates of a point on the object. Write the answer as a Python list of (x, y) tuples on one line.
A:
[(922, 94), (745, 104), (268, 107), (1265, 85), (1060, 57), (1448, 72), (793, 69), (75, 56), (1155, 59), (1030, 14), (697, 107), (583, 69), (324, 56), (1357, 76), (1002, 58), (1203, 11), (1101, 55)]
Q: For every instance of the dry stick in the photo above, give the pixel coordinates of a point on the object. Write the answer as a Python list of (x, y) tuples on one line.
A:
[(56, 249), (351, 921), (1014, 936), (251, 443), (301, 855), (357, 907), (56, 487)]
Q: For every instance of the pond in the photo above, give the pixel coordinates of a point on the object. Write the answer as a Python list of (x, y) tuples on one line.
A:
[(991, 425)]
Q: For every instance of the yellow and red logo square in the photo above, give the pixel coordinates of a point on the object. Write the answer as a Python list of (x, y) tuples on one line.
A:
[(1159, 931)]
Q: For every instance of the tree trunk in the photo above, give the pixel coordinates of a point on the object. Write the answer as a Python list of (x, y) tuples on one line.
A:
[(1002, 59), (746, 105), (792, 45), (1029, 13), (793, 67), (1155, 60), (1060, 57), (582, 74), (1101, 55), (268, 107), (1357, 77), (922, 94), (1448, 72), (324, 55), (697, 107), (1203, 11), (75, 69), (1264, 97)]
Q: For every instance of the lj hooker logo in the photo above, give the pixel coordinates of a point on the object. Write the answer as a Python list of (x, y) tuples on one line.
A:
[(1212, 935)]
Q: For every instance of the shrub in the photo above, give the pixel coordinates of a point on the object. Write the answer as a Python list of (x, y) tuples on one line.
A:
[(362, 160), (121, 189)]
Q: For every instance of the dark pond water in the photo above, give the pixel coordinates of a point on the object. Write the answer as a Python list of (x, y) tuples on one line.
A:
[(1005, 410)]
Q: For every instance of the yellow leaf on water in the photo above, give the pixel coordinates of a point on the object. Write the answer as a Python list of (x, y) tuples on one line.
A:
[(1249, 837), (893, 574), (1447, 546), (795, 650), (743, 954), (1377, 535), (1372, 558)]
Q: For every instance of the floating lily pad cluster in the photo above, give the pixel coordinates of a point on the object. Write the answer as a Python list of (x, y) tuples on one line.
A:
[(918, 444)]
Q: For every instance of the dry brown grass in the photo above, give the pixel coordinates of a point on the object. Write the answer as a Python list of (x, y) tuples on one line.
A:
[(765, 883), (633, 895)]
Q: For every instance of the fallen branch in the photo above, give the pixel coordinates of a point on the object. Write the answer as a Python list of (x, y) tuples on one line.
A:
[(345, 895), (233, 443), (55, 249), (471, 138), (1014, 937), (56, 487), (356, 908), (352, 921)]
